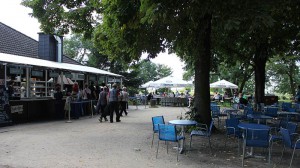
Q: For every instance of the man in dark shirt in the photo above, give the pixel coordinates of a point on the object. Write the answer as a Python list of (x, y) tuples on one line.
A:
[(92, 88), (58, 95)]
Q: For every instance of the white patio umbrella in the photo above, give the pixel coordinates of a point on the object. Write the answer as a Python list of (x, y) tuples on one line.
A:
[(147, 85), (223, 84), (170, 81)]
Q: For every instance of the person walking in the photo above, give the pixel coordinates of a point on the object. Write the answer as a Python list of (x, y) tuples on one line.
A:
[(102, 103), (113, 103), (124, 101), (86, 96)]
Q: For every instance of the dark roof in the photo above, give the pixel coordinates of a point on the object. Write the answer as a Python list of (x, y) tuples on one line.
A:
[(69, 60), (16, 43)]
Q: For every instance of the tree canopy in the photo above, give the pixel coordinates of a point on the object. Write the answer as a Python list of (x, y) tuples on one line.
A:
[(202, 33)]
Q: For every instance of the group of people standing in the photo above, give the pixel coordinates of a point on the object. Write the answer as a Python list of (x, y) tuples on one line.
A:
[(112, 101)]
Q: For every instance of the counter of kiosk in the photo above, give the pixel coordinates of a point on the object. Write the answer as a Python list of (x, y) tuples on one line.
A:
[(32, 109)]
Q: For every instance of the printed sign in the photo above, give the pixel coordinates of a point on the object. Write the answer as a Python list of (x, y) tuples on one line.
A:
[(92, 78), (15, 71), (68, 75), (37, 73), (80, 76), (16, 109), (53, 74)]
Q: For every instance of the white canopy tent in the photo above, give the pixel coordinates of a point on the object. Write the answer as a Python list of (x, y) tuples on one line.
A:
[(223, 84), (9, 58), (167, 82)]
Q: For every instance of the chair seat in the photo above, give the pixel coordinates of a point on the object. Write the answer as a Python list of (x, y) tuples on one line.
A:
[(198, 133), (276, 137), (179, 137)]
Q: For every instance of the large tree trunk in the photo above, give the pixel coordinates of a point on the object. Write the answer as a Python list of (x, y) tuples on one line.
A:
[(260, 59), (202, 69)]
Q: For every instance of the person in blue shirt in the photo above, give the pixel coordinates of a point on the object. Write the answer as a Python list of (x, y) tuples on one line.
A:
[(113, 103)]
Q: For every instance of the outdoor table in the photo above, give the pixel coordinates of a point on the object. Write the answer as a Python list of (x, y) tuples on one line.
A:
[(258, 117), (182, 124), (230, 111), (288, 114), (245, 126)]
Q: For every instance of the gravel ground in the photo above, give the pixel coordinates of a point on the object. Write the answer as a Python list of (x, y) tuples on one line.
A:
[(88, 143)]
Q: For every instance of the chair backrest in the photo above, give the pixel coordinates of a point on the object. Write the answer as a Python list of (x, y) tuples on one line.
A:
[(157, 120), (286, 137), (290, 109), (213, 103), (291, 127), (272, 111), (285, 106), (297, 107), (283, 123), (215, 110), (248, 110), (167, 132), (231, 123), (257, 137)]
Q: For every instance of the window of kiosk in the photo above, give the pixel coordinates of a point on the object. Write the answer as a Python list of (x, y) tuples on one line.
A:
[(18, 76), (38, 83)]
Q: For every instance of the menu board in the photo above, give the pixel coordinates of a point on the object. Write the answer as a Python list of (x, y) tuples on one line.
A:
[(16, 71), (53, 74), (37, 73), (4, 106)]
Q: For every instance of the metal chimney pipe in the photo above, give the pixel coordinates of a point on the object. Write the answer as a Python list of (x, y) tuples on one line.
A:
[(59, 48)]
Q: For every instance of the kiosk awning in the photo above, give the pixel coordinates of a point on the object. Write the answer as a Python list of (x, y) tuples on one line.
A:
[(9, 58)]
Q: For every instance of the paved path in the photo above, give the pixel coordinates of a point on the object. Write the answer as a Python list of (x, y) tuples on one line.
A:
[(87, 143)]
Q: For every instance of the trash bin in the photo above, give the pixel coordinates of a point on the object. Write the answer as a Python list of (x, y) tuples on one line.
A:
[(152, 102)]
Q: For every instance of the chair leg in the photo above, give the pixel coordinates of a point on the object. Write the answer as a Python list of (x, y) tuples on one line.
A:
[(243, 157), (157, 148), (152, 140), (292, 157), (177, 149), (269, 155), (191, 141)]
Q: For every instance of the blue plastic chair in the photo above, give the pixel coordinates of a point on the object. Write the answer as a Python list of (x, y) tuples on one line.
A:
[(155, 121), (285, 106), (271, 111), (232, 130), (168, 133), (216, 113), (289, 143), (203, 131), (290, 126), (256, 138)]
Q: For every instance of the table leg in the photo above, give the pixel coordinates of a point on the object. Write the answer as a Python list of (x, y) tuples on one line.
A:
[(182, 144)]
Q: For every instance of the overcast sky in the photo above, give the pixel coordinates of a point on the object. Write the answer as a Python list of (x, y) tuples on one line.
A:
[(16, 16)]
